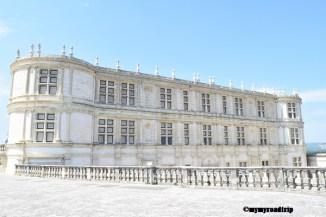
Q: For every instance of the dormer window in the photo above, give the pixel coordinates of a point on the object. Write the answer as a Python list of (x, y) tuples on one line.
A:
[(47, 83)]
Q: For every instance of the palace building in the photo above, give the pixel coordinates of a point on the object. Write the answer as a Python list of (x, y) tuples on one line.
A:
[(63, 110)]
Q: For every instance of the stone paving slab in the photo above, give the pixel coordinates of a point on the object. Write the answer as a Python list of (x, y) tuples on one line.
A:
[(27, 196)]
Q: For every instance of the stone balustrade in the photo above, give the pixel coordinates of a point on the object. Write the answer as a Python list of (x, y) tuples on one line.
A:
[(269, 178)]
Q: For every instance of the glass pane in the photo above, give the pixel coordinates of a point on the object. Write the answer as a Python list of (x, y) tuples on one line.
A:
[(131, 123), (123, 139), (44, 72), (131, 93), (49, 136), (42, 89), (110, 83), (101, 121), (53, 89), (43, 79), (102, 82), (110, 129), (53, 79), (50, 117), (163, 140), (49, 125), (131, 130), (110, 122), (124, 91), (40, 116), (110, 90), (123, 123), (39, 136), (102, 90), (162, 90), (124, 85), (124, 100), (168, 90), (40, 125), (169, 125), (101, 129), (102, 98), (53, 72), (110, 99), (131, 139), (123, 130), (170, 140), (101, 139), (110, 139), (131, 86), (131, 101)]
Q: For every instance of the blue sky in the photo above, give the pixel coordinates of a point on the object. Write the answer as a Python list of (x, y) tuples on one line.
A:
[(271, 44)]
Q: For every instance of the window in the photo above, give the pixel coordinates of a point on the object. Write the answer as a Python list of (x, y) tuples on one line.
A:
[(226, 135), (185, 100), (166, 134), (292, 111), (48, 81), (263, 136), (127, 132), (45, 127), (240, 136), (106, 92), (105, 131), (186, 133), (297, 162), (224, 101), (264, 163), (205, 102), (207, 134), (166, 98), (261, 109), (242, 164), (238, 105), (294, 133), (127, 94)]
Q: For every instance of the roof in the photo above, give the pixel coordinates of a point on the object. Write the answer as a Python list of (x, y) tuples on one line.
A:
[(315, 148)]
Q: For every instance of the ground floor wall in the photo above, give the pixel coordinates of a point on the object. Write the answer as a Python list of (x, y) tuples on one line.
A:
[(155, 155)]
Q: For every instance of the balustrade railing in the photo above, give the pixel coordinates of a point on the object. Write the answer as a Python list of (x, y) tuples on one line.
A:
[(272, 178)]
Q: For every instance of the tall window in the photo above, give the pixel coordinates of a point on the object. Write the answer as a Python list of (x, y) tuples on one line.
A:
[(105, 131), (242, 164), (238, 105), (224, 101), (166, 98), (127, 94), (206, 103), (297, 162), (48, 81), (207, 134), (261, 109), (127, 132), (263, 136), (264, 163), (226, 135), (186, 133), (240, 136), (294, 133), (292, 111), (106, 92), (185, 100), (166, 134), (45, 127)]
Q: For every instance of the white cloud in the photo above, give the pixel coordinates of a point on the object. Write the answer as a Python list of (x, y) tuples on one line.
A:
[(314, 95), (4, 30)]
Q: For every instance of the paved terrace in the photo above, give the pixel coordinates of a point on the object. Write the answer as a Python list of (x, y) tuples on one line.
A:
[(33, 196)]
